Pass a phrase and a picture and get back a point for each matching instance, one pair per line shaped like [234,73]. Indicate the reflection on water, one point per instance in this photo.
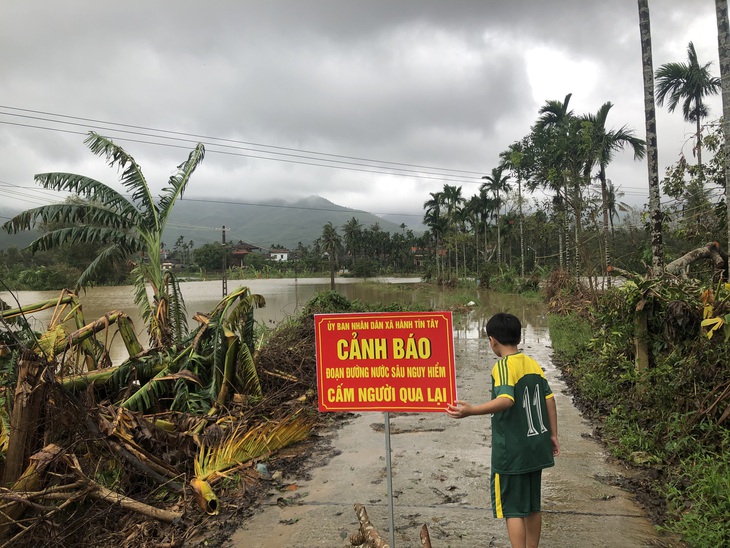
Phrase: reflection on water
[285,297]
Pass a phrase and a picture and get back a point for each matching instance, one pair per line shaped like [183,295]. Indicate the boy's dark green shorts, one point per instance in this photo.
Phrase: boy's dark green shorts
[516,495]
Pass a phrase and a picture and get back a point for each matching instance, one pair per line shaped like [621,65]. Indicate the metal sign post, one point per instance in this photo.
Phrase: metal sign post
[387,362]
[389,473]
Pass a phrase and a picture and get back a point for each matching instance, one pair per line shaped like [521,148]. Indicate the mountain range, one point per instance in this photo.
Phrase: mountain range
[265,224]
[261,224]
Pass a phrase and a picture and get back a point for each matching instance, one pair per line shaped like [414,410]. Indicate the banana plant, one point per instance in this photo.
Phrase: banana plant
[213,361]
[128,226]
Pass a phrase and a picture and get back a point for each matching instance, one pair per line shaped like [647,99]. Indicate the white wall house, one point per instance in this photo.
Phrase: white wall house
[279,254]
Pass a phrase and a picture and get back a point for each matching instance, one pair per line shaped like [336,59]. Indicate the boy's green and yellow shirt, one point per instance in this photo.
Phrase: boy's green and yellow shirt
[521,434]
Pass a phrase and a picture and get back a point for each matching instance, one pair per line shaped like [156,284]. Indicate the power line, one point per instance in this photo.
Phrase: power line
[228,153]
[452,175]
[171,132]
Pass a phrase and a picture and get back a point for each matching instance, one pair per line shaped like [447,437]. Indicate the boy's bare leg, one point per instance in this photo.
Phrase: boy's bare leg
[525,532]
[533,528]
[516,531]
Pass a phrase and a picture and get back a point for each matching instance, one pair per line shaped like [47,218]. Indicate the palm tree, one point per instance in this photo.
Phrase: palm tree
[605,144]
[558,126]
[125,227]
[512,159]
[723,46]
[353,233]
[688,83]
[496,184]
[657,248]
[452,199]
[331,242]
[436,222]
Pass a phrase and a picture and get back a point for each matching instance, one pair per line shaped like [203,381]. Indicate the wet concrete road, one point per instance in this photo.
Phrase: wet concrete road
[440,478]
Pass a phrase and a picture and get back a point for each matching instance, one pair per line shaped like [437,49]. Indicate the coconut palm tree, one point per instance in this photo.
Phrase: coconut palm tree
[496,183]
[128,227]
[331,243]
[688,83]
[605,144]
[657,248]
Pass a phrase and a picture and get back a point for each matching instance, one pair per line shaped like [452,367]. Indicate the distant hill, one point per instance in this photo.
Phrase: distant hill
[20,240]
[276,222]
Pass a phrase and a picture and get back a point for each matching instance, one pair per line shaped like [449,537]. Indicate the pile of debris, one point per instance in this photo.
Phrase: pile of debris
[140,453]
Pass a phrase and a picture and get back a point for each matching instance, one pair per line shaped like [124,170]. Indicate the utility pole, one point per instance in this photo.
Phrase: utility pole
[224,278]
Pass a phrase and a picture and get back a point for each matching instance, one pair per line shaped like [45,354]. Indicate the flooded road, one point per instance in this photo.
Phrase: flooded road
[441,470]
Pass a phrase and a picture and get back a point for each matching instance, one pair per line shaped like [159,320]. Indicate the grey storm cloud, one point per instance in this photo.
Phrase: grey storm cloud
[291,83]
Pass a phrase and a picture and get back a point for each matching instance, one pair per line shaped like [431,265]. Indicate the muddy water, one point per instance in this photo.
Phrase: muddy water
[284,298]
[440,470]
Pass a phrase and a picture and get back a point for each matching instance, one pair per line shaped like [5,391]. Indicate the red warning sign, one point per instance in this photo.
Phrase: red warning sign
[385,361]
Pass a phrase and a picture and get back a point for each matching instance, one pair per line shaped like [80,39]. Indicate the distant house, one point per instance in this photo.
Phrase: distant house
[239,252]
[279,254]
[420,254]
[171,263]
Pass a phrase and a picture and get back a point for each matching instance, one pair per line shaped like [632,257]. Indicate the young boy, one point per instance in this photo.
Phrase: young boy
[524,431]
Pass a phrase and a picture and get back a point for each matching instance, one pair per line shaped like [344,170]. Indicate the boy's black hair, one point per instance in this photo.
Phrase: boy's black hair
[505,328]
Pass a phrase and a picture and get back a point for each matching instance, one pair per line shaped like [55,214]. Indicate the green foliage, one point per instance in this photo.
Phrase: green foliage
[698,498]
[364,268]
[570,335]
[328,302]
[671,415]
[210,256]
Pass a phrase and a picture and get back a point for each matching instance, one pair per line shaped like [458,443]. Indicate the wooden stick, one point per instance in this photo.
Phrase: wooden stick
[367,529]
[425,538]
[101,493]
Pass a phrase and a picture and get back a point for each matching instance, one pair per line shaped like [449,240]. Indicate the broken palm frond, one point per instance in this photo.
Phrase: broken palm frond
[177,314]
[282,375]
[247,377]
[240,446]
[229,369]
[240,319]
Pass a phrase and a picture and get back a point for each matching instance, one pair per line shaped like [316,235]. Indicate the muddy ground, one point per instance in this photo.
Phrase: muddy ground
[440,478]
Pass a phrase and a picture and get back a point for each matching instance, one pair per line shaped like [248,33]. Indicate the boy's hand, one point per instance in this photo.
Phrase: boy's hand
[459,409]
[556,445]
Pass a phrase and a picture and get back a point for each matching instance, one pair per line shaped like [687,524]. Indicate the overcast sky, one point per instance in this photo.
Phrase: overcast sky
[370,104]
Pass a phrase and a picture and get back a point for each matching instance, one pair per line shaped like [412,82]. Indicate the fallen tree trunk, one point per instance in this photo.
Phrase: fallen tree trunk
[711,251]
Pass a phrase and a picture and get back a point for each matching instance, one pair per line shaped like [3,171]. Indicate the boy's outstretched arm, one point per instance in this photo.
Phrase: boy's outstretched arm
[460,409]
[552,412]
